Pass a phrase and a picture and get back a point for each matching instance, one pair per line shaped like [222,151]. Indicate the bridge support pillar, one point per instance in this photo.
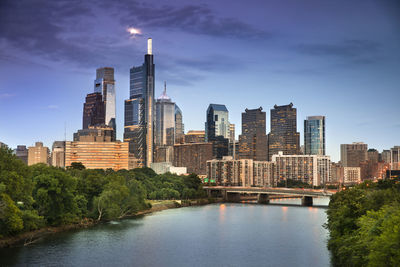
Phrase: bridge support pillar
[263,199]
[232,197]
[306,201]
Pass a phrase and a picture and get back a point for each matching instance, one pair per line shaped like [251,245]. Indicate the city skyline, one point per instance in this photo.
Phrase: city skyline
[346,75]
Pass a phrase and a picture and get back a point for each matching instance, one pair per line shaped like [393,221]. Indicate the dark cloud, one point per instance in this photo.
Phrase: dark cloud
[357,51]
[195,19]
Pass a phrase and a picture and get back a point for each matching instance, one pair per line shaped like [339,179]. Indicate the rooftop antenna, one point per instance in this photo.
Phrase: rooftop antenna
[165,87]
[149,46]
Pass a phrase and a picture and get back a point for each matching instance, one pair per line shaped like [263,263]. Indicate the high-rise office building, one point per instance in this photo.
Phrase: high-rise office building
[105,84]
[179,126]
[139,111]
[38,154]
[352,154]
[386,156]
[314,135]
[395,158]
[373,155]
[232,133]
[165,120]
[22,153]
[283,136]
[217,123]
[58,154]
[195,136]
[193,156]
[253,140]
[93,110]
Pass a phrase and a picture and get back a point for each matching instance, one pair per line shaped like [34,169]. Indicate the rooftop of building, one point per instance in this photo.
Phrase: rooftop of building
[218,107]
[195,132]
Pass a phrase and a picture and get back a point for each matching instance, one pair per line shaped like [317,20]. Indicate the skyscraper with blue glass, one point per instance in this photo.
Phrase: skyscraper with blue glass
[139,111]
[314,135]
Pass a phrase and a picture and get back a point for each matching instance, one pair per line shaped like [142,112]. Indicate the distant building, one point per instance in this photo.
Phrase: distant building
[58,154]
[193,156]
[99,133]
[93,110]
[217,123]
[283,136]
[371,169]
[242,172]
[314,135]
[38,154]
[98,155]
[395,158]
[165,120]
[253,140]
[312,169]
[164,154]
[22,153]
[163,167]
[373,155]
[337,173]
[386,156]
[232,133]
[105,84]
[352,175]
[195,136]
[179,126]
[139,111]
[352,154]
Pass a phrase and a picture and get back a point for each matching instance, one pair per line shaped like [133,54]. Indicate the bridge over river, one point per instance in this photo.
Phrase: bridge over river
[233,193]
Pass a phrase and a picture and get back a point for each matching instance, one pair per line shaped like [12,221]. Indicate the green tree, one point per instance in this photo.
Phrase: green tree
[10,216]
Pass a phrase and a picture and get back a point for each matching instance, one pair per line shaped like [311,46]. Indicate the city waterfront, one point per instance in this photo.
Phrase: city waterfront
[220,234]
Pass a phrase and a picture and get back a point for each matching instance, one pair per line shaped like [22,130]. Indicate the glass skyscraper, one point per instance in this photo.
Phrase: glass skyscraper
[179,127]
[314,135]
[105,84]
[217,123]
[165,120]
[139,111]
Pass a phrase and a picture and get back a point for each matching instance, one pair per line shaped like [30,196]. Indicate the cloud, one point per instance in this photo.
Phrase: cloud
[6,95]
[195,19]
[53,107]
[357,51]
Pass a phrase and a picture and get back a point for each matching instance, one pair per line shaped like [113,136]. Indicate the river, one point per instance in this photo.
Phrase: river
[211,235]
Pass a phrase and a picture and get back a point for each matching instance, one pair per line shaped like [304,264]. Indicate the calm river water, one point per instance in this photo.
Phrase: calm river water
[211,235]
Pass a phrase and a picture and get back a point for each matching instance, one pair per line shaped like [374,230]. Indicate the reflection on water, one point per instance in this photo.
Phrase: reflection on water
[212,235]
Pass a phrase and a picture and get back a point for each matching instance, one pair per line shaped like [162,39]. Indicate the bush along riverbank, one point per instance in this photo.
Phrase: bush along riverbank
[364,225]
[39,197]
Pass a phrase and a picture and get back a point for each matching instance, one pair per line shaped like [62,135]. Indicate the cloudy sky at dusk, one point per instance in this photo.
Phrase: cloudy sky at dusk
[337,58]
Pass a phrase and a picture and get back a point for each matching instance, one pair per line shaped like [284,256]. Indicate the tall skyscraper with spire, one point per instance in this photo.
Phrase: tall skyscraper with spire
[139,111]
[165,120]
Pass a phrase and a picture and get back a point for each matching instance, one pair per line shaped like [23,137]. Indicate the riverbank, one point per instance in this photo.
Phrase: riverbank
[27,238]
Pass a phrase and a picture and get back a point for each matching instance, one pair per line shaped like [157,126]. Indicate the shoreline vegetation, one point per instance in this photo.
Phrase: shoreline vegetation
[364,225]
[40,199]
[28,238]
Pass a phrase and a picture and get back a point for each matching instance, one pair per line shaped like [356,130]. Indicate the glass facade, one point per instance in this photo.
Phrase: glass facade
[314,135]
[179,127]
[217,123]
[165,121]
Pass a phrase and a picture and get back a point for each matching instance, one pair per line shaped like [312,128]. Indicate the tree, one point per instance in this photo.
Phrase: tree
[76,166]
[10,216]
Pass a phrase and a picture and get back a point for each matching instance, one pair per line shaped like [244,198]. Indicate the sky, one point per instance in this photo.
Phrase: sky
[340,59]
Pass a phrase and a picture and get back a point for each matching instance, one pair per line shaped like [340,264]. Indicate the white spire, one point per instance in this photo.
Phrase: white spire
[149,46]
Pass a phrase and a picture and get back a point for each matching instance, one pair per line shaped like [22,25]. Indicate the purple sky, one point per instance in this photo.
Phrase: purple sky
[337,58]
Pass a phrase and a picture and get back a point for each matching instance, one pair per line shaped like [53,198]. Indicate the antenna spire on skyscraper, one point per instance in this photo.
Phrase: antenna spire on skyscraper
[149,46]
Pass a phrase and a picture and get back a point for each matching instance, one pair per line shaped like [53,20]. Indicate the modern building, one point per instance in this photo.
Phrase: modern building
[241,172]
[163,154]
[253,142]
[22,153]
[93,110]
[312,169]
[352,154]
[386,156]
[105,85]
[314,135]
[165,120]
[283,136]
[163,167]
[99,133]
[217,123]
[193,136]
[98,155]
[373,155]
[38,154]
[58,154]
[139,111]
[232,137]
[351,175]
[179,126]
[193,156]
[395,158]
